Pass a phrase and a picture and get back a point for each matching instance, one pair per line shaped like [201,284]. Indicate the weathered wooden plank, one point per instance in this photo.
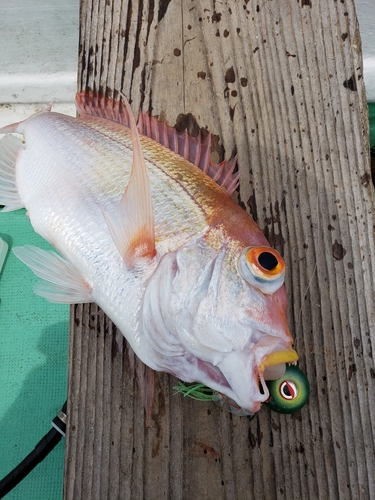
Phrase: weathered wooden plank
[281,84]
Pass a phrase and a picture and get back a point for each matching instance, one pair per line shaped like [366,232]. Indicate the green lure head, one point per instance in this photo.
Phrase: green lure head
[290,392]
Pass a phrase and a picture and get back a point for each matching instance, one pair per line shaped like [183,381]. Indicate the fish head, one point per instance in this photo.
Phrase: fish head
[217,320]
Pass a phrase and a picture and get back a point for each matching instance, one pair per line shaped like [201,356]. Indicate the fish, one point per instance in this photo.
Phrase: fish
[145,226]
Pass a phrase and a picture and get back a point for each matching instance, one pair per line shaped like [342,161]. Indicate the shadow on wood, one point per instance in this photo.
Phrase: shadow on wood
[281,84]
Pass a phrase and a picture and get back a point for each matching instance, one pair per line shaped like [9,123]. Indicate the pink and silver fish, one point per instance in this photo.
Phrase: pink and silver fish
[149,235]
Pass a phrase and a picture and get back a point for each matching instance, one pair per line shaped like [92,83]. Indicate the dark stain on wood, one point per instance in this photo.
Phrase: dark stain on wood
[142,85]
[251,203]
[230,76]
[300,448]
[365,179]
[150,17]
[338,251]
[273,225]
[201,449]
[127,30]
[189,122]
[231,111]
[216,17]
[163,7]
[350,84]
[137,50]
[252,439]
[352,370]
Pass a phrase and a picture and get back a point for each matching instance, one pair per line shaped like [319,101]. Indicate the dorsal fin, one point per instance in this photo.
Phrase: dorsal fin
[132,222]
[94,104]
[194,149]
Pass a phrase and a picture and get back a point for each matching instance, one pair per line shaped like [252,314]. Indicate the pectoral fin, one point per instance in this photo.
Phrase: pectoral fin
[63,283]
[132,222]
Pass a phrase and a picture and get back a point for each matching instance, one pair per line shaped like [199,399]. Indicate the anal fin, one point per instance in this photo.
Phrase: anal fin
[62,282]
[9,147]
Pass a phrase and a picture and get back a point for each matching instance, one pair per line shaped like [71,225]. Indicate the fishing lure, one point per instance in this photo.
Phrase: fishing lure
[287,394]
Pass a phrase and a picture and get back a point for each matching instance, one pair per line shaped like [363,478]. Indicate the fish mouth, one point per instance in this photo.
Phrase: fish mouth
[246,372]
[240,378]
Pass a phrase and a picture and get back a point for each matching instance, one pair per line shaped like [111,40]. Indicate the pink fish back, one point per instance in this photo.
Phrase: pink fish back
[194,149]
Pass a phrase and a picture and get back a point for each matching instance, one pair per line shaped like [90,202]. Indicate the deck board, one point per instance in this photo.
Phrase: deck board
[280,84]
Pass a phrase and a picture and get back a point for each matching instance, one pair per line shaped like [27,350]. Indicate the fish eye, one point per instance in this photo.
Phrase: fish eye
[267,260]
[262,267]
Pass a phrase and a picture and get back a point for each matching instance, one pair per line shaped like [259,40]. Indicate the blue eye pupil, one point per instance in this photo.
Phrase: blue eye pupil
[268,261]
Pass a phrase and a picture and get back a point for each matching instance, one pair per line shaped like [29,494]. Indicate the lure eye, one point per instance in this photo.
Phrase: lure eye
[290,392]
[262,267]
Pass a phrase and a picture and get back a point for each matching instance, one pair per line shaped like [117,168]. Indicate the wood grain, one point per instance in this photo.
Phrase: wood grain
[280,83]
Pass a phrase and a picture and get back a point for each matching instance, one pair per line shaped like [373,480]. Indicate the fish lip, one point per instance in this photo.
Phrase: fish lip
[277,358]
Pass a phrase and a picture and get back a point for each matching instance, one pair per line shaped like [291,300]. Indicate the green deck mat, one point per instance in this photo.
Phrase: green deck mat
[33,367]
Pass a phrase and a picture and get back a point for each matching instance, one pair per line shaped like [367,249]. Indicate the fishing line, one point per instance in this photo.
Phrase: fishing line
[315,265]
[39,453]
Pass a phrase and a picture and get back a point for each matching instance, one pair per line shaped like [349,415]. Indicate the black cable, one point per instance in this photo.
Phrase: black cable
[39,453]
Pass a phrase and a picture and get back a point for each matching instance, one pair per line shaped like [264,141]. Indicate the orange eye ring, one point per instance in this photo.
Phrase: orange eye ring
[262,267]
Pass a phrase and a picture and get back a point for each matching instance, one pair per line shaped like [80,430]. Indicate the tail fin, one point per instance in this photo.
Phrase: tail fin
[9,147]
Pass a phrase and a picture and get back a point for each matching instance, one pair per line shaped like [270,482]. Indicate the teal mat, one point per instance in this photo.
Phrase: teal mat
[33,367]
